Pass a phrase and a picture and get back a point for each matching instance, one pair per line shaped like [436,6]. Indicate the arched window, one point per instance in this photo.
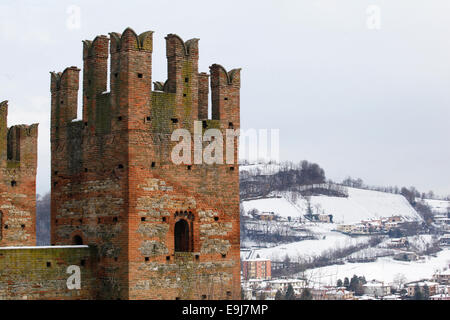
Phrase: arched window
[77,240]
[182,238]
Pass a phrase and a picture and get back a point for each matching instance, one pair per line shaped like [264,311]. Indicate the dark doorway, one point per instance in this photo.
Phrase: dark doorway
[77,240]
[181,236]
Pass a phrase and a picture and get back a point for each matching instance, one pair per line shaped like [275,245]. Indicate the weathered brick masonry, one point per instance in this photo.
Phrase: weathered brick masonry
[162,231]
[18,163]
[37,273]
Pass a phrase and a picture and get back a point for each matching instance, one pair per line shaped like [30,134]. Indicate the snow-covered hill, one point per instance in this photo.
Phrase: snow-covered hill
[360,205]
[328,240]
[437,206]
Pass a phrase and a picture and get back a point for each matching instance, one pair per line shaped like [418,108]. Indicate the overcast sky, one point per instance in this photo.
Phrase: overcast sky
[359,100]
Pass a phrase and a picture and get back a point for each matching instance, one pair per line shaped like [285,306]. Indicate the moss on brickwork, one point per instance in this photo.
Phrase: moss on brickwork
[41,273]
[187,96]
[212,124]
[163,110]
[103,114]
[12,164]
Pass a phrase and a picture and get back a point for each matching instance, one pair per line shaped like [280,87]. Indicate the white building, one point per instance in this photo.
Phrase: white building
[376,289]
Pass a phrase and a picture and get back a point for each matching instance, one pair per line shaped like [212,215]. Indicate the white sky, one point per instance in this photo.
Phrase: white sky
[368,103]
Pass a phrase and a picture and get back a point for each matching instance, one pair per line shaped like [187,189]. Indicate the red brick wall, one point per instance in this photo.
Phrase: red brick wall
[116,163]
[18,162]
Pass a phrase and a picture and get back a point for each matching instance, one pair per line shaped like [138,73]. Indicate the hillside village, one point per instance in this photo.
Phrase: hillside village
[328,241]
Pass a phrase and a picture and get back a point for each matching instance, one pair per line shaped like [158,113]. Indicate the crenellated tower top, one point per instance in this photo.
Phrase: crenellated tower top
[131,98]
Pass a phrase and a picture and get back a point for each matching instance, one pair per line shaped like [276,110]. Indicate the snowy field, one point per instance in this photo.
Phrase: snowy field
[360,205]
[328,240]
[437,206]
[384,269]
[280,206]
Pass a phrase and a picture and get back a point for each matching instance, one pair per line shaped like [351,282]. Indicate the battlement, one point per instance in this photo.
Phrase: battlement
[18,144]
[225,87]
[130,40]
[130,102]
[18,164]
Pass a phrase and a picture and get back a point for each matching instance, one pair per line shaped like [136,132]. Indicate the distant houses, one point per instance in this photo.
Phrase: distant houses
[437,288]
[442,221]
[429,288]
[266,216]
[443,277]
[377,288]
[445,240]
[325,218]
[260,269]
[406,256]
[372,226]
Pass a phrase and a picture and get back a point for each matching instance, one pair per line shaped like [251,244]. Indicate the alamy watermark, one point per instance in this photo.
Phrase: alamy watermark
[73,21]
[74,280]
[207,147]
[373,21]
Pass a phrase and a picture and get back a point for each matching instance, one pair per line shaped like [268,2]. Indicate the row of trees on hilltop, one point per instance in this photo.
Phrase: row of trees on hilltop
[410,193]
[289,175]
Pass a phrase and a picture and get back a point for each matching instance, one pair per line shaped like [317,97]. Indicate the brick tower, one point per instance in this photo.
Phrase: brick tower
[162,230]
[18,164]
